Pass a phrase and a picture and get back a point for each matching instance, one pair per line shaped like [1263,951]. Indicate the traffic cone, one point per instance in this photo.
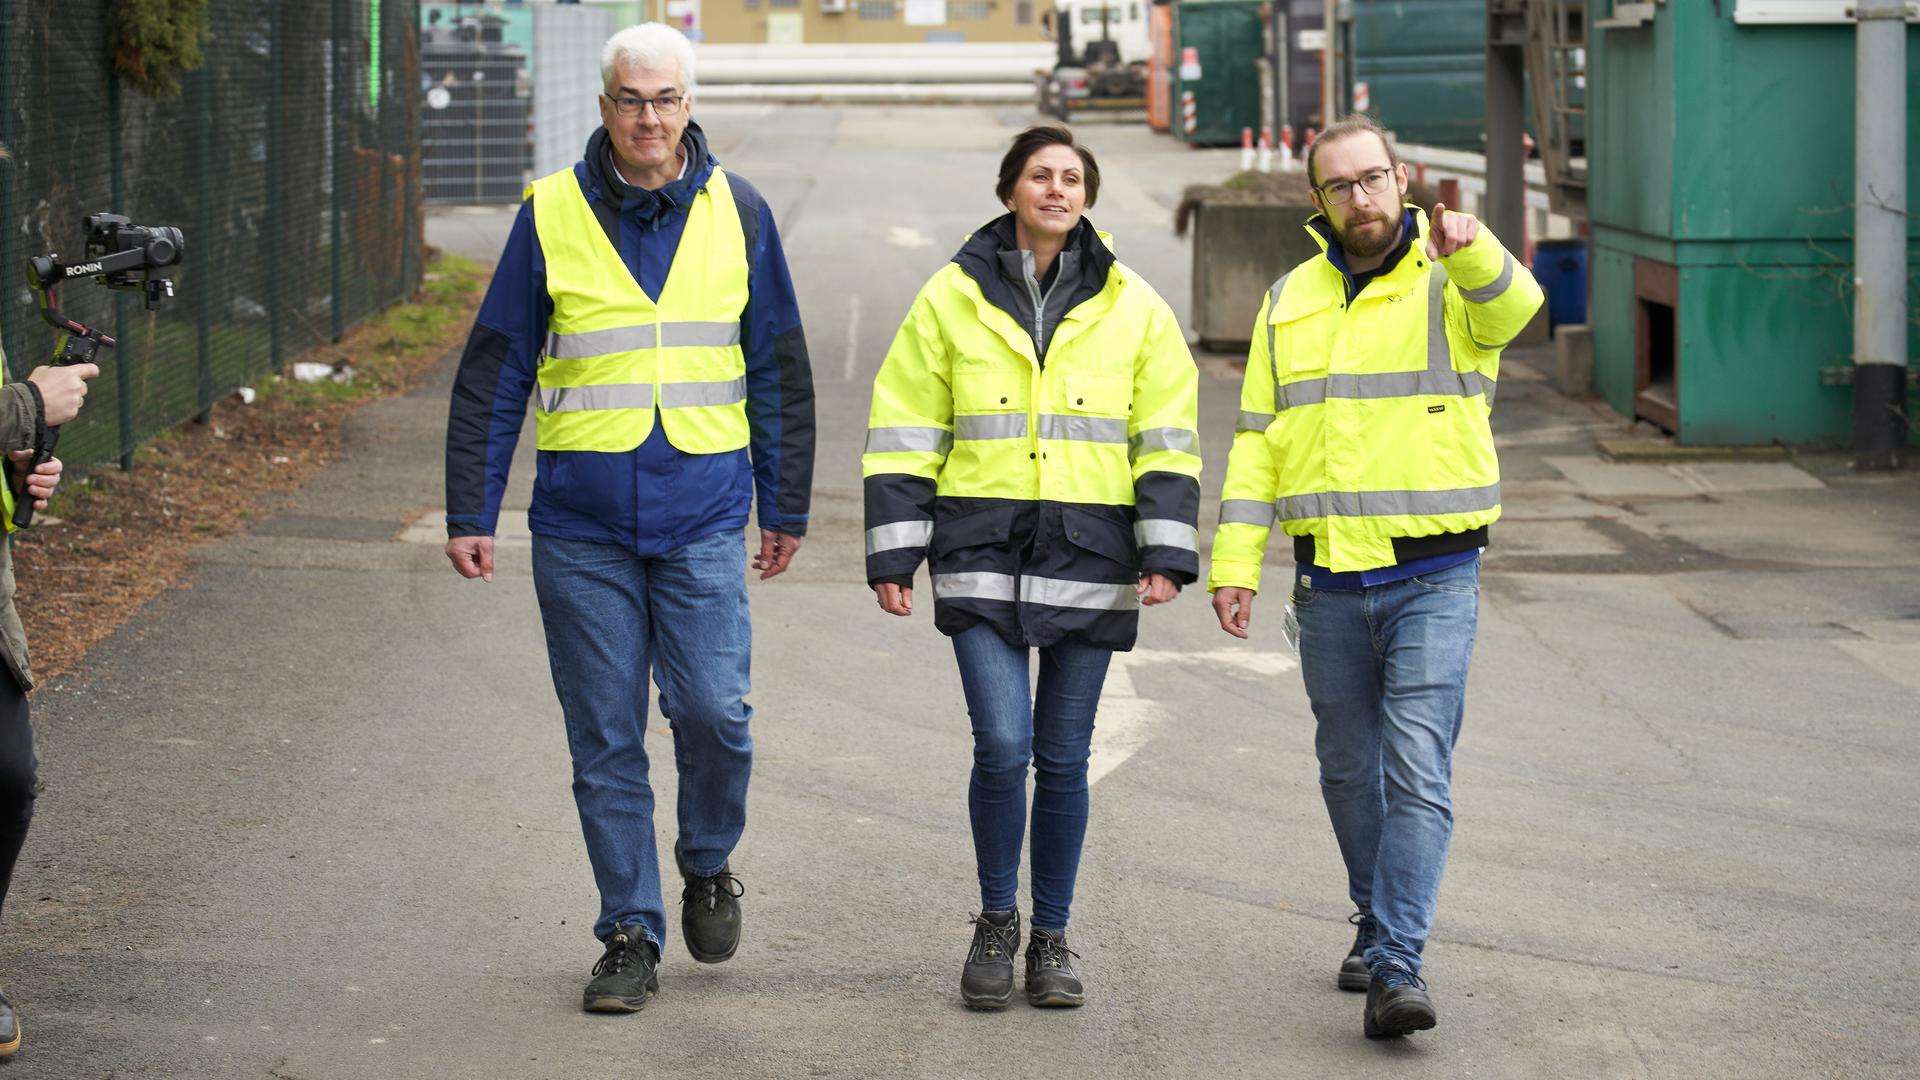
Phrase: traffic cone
[1246,149]
[1286,147]
[1266,150]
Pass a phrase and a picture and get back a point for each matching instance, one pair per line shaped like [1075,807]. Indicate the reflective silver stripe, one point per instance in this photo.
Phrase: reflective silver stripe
[1011,425]
[1095,595]
[583,398]
[1164,438]
[899,534]
[629,338]
[1438,380]
[1253,421]
[1273,301]
[1166,532]
[1383,503]
[683,395]
[1246,512]
[1053,592]
[1492,292]
[717,335]
[976,585]
[1083,428]
[889,440]
[1295,394]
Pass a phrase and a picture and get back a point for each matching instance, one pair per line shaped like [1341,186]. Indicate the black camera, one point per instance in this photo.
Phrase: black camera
[112,234]
[120,255]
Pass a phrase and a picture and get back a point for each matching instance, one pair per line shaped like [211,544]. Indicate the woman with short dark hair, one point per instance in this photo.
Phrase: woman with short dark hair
[1032,437]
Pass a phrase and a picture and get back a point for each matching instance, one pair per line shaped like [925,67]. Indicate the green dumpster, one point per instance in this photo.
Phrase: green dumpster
[1216,81]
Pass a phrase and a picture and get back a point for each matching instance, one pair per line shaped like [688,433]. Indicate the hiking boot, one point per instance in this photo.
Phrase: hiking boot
[625,976]
[1353,970]
[1051,983]
[9,1027]
[710,913]
[986,982]
[1397,1003]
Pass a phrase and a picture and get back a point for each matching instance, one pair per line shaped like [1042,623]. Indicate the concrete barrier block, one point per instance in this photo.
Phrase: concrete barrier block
[1573,360]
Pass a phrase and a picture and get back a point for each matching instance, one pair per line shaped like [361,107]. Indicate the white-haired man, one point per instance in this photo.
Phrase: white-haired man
[643,300]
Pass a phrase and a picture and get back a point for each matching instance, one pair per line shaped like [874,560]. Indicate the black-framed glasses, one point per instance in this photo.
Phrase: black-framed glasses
[1373,182]
[664,106]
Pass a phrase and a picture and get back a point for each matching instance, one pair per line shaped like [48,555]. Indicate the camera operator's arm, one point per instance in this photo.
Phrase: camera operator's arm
[490,397]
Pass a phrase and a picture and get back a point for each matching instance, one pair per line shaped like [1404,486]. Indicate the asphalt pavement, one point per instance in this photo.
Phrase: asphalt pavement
[308,815]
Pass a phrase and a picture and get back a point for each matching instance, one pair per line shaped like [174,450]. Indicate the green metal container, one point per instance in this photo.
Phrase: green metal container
[1227,38]
[1720,197]
[1424,63]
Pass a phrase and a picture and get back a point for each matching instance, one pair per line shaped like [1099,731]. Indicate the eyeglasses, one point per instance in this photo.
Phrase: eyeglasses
[1340,191]
[663,107]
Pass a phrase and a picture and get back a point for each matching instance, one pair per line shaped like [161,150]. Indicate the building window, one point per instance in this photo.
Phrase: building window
[1023,12]
[784,3]
[878,10]
[967,10]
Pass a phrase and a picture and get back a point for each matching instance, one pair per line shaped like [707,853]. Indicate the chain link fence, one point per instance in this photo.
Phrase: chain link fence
[290,161]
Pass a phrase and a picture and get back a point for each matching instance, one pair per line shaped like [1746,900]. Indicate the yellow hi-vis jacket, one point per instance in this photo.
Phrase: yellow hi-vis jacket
[1040,492]
[1366,422]
[612,353]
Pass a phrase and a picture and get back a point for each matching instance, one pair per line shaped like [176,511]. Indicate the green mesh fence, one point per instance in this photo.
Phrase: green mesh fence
[290,161]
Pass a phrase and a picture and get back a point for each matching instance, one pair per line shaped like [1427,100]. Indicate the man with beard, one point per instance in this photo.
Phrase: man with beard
[643,302]
[1364,434]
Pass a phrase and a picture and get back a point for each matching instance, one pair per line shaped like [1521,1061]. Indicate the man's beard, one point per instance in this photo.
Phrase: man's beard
[1370,243]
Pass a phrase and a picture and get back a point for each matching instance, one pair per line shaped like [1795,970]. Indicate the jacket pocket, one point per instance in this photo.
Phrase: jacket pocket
[1098,395]
[977,528]
[1109,540]
[1302,327]
[989,392]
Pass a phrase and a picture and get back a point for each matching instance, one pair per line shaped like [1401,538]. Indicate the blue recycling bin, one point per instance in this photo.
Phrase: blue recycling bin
[1560,266]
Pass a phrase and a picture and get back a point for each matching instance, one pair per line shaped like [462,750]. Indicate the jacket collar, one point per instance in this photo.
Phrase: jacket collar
[649,209]
[1321,230]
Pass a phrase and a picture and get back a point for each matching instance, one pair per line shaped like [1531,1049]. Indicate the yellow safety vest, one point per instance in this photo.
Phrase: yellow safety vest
[1367,421]
[613,355]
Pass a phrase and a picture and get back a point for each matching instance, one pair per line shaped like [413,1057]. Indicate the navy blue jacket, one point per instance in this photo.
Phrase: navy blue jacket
[654,498]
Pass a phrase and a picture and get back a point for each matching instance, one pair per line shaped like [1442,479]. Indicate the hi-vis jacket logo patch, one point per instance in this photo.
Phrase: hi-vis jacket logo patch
[1436,408]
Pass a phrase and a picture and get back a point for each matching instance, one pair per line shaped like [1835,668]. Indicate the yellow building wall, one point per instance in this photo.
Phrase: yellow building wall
[738,22]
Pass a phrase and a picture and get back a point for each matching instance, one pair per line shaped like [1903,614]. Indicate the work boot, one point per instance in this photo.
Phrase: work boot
[1353,970]
[986,982]
[710,913]
[1397,1003]
[625,975]
[9,1027]
[1051,983]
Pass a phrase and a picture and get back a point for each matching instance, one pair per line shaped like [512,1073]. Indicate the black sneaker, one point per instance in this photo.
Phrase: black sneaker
[9,1028]
[1353,970]
[710,913]
[1051,983]
[625,976]
[986,982]
[1397,1003]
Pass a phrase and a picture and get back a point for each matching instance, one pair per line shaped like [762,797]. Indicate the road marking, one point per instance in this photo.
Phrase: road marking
[853,334]
[1127,720]
[902,236]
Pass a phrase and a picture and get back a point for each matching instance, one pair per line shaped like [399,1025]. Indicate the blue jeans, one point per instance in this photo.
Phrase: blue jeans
[1012,724]
[1386,672]
[611,616]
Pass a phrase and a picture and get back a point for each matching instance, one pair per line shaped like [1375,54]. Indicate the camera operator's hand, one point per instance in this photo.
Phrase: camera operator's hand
[472,556]
[64,389]
[42,481]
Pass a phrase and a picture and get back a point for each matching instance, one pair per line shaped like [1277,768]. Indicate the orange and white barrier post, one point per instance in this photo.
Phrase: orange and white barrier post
[1246,149]
[1266,150]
